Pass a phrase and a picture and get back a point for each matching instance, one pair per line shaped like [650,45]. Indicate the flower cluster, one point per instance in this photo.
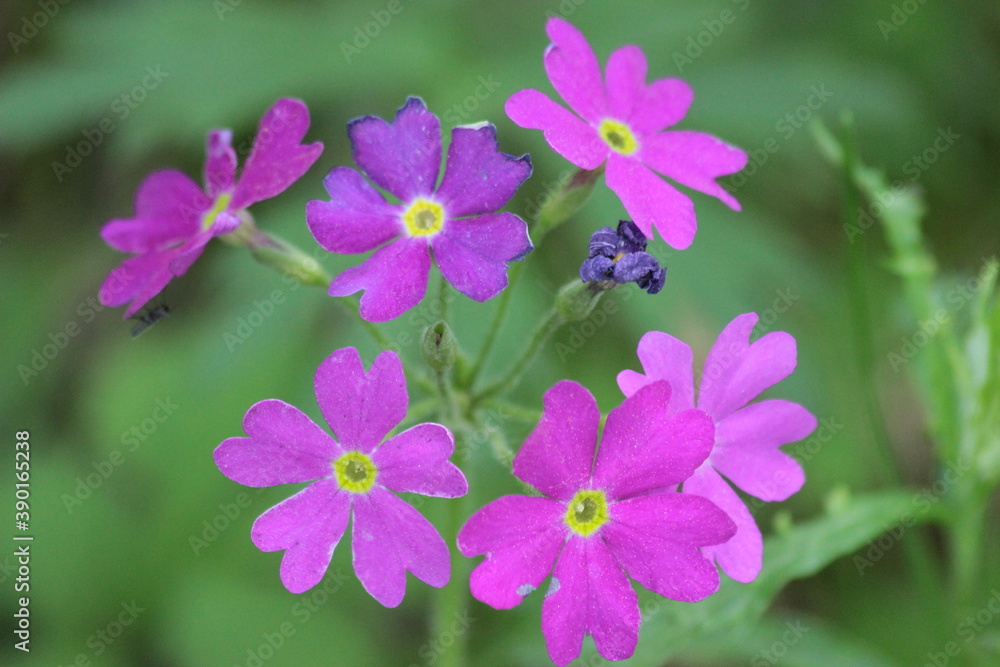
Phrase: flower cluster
[647,499]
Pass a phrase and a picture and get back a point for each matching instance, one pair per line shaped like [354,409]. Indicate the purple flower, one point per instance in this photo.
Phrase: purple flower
[621,257]
[352,474]
[601,520]
[747,436]
[622,124]
[471,244]
[174,218]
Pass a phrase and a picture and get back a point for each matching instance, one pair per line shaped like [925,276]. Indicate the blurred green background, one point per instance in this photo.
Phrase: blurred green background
[130,550]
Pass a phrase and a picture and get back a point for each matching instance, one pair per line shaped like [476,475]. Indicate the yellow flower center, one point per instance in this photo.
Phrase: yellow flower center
[424,218]
[587,512]
[618,136]
[355,472]
[220,205]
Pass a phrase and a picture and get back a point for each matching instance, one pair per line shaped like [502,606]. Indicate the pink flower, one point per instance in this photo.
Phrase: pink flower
[355,473]
[174,218]
[622,124]
[747,436]
[600,520]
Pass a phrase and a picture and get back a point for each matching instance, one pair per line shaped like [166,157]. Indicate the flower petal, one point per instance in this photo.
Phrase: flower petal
[573,70]
[139,279]
[394,279]
[168,210]
[656,539]
[694,159]
[741,557]
[404,156]
[521,537]
[278,158]
[557,456]
[356,219]
[642,449]
[284,447]
[663,357]
[416,461]
[569,136]
[473,253]
[652,202]
[746,448]
[309,526]
[626,79]
[736,372]
[661,104]
[390,537]
[589,595]
[360,407]
[220,162]
[478,178]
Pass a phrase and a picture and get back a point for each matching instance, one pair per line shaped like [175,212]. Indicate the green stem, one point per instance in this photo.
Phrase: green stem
[351,306]
[966,531]
[552,322]
[917,551]
[452,604]
[498,318]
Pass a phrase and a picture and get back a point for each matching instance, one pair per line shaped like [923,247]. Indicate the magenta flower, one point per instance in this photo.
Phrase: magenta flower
[353,474]
[622,124]
[471,244]
[600,521]
[174,218]
[747,437]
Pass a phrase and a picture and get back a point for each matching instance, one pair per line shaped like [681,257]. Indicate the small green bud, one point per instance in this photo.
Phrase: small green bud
[577,299]
[440,346]
[288,260]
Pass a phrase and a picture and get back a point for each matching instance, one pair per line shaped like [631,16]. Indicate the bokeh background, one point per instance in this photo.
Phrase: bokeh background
[149,411]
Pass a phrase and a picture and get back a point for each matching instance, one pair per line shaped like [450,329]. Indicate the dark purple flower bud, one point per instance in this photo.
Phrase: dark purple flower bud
[619,257]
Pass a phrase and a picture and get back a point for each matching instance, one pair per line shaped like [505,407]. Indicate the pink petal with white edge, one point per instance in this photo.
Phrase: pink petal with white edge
[278,157]
[220,162]
[569,136]
[521,537]
[284,447]
[404,156]
[309,526]
[361,407]
[394,279]
[557,457]
[656,539]
[573,69]
[589,595]
[478,178]
[663,357]
[736,372]
[168,210]
[746,448]
[416,461]
[641,449]
[694,159]
[473,253]
[390,538]
[356,219]
[741,557]
[652,202]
